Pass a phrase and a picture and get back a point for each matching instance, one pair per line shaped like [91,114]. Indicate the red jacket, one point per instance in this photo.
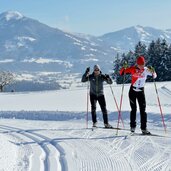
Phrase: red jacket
[139,76]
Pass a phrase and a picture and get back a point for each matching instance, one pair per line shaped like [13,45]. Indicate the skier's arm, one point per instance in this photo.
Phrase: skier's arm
[129,70]
[154,75]
[108,79]
[151,71]
[85,76]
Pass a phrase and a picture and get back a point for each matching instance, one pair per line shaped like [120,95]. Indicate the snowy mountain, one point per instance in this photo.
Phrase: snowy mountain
[125,39]
[28,45]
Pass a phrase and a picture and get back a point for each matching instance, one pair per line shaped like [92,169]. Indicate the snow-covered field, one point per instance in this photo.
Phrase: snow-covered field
[46,131]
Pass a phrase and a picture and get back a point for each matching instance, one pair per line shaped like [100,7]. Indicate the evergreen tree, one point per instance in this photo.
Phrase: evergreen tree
[163,61]
[130,57]
[154,56]
[158,55]
[119,64]
[116,67]
[151,54]
[168,65]
[140,49]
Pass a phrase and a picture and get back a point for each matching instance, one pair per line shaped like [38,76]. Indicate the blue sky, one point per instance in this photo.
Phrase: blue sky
[94,17]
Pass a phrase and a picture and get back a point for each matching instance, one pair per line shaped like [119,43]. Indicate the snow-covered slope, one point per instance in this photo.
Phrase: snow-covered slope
[64,143]
[126,39]
[29,45]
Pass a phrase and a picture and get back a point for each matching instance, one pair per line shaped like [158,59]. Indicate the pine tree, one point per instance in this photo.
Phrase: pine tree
[118,63]
[163,61]
[158,55]
[168,64]
[151,54]
[154,56]
[126,58]
[130,57]
[140,49]
[116,67]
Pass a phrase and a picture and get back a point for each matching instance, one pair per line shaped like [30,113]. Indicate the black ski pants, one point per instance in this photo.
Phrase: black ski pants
[102,103]
[140,97]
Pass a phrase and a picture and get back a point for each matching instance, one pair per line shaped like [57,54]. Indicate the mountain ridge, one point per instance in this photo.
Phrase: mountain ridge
[25,41]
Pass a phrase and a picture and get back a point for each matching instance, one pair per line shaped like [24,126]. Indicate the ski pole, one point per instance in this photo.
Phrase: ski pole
[116,103]
[162,116]
[88,85]
[87,103]
[125,65]
[119,115]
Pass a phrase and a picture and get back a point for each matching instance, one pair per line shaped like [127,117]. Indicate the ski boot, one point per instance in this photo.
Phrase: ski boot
[145,132]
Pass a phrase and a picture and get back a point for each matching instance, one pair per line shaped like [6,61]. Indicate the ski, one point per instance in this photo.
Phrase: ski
[132,133]
[106,128]
[141,134]
[111,128]
[97,127]
[116,136]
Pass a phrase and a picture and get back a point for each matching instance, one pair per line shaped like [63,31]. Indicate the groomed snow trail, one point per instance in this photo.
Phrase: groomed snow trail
[68,146]
[45,155]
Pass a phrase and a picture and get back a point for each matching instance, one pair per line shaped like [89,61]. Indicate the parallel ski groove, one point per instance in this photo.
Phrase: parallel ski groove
[46,149]
[101,149]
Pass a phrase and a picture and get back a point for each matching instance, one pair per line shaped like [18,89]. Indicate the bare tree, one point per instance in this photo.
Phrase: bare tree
[6,78]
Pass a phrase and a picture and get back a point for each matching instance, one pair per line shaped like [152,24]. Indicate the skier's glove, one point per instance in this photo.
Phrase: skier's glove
[151,69]
[107,76]
[125,64]
[87,70]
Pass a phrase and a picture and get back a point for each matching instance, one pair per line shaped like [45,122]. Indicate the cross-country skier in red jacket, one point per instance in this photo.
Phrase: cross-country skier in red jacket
[139,75]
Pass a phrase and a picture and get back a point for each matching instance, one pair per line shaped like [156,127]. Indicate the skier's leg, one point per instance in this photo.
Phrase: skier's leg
[102,103]
[142,106]
[93,101]
[133,105]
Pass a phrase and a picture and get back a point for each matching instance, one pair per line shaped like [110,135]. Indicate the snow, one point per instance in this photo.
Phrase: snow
[13,15]
[88,55]
[73,38]
[166,34]
[142,32]
[91,49]
[89,59]
[6,61]
[9,46]
[24,38]
[47,131]
[42,60]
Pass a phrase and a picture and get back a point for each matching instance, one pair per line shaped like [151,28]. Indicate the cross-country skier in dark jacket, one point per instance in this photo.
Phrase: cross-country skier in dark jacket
[96,92]
[139,75]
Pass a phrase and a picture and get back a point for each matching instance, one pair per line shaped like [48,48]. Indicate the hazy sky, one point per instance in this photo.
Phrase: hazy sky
[94,17]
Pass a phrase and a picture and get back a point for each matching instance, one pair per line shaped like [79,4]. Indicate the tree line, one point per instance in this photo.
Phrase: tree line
[157,54]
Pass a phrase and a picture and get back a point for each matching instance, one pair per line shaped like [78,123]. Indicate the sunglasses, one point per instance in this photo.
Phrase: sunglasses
[96,70]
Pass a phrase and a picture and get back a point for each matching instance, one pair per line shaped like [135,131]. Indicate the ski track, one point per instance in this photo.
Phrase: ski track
[166,91]
[47,152]
[96,150]
[148,160]
[109,158]
[103,160]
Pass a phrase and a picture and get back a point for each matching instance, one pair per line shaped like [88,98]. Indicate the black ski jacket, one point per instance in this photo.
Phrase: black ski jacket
[96,83]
